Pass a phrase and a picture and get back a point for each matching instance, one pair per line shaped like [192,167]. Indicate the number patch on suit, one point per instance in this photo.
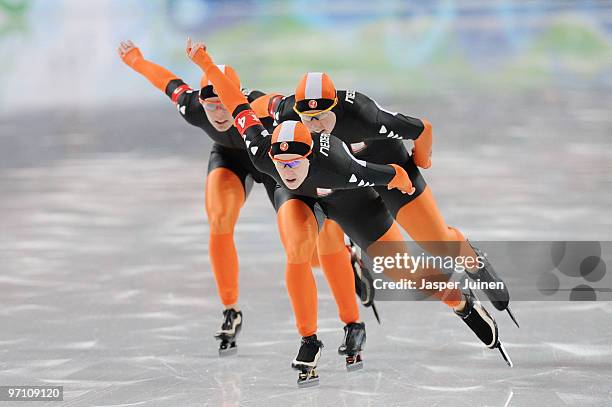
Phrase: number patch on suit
[246,119]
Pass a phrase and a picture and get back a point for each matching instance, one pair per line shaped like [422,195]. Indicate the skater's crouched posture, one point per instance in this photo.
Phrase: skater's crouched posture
[228,183]
[318,175]
[375,134]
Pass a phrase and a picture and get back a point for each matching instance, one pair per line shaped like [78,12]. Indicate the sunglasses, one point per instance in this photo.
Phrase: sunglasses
[318,116]
[290,164]
[212,106]
[302,114]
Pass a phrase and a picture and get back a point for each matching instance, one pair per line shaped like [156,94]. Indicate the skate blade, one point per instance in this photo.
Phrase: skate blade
[504,354]
[353,367]
[511,314]
[375,313]
[228,352]
[312,382]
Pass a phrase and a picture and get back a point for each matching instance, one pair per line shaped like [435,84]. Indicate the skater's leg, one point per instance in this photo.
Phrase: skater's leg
[419,216]
[314,260]
[225,196]
[393,243]
[336,265]
[364,217]
[298,229]
[423,221]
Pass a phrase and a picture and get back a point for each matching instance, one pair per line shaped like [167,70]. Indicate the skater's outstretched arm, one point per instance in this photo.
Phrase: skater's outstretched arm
[257,138]
[181,94]
[386,125]
[343,170]
[130,54]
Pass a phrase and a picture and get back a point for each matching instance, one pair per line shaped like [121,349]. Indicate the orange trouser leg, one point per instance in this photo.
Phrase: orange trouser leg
[224,198]
[336,264]
[451,297]
[422,220]
[314,260]
[297,226]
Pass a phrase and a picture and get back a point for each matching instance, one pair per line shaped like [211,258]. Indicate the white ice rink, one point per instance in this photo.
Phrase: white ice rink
[106,288]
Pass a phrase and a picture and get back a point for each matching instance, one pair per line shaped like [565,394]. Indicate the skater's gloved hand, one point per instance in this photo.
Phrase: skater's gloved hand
[129,53]
[421,158]
[421,153]
[197,53]
[401,181]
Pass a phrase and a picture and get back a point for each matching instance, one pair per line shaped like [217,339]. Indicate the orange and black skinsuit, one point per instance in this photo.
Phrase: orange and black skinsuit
[337,186]
[230,175]
[375,134]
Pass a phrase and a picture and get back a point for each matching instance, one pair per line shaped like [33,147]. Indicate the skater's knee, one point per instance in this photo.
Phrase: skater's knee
[455,234]
[299,247]
[298,231]
[299,251]
[222,223]
[224,197]
[331,238]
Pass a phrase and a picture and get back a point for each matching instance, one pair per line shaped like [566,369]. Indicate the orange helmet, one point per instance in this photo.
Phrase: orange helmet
[207,90]
[315,91]
[291,137]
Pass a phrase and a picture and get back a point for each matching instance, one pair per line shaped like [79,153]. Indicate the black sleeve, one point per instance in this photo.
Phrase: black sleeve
[256,138]
[284,111]
[381,124]
[251,95]
[353,173]
[187,103]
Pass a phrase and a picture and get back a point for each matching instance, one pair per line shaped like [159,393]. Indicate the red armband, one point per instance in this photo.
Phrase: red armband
[246,119]
[273,104]
[179,91]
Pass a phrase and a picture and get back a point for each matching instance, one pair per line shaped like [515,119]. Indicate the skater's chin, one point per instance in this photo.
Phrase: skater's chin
[292,183]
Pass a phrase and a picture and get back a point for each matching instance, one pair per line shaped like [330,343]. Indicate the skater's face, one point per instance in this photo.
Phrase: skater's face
[323,122]
[217,114]
[293,169]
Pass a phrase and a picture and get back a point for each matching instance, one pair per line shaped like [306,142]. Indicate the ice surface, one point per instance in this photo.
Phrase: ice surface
[106,289]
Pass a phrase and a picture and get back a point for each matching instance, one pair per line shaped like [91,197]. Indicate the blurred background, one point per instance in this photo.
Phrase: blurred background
[518,92]
[102,192]
[63,51]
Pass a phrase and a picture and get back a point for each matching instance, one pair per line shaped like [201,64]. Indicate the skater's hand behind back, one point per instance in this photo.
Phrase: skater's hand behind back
[129,53]
[401,181]
[421,158]
[421,153]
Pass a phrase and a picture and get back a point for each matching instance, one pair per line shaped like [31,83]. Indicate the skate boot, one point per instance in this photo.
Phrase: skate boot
[354,341]
[306,361]
[500,298]
[232,323]
[364,284]
[482,324]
